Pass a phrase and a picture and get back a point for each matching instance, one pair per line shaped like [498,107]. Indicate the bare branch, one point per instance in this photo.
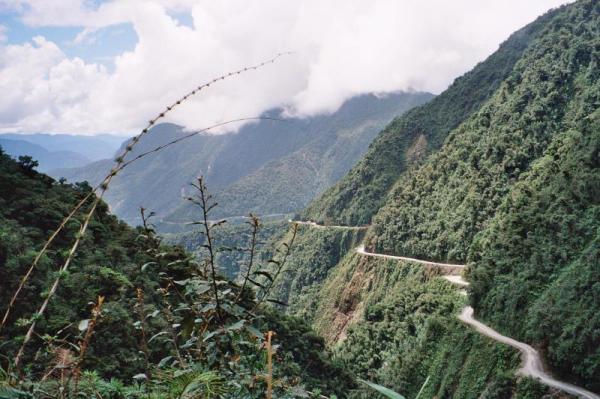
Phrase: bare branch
[254,223]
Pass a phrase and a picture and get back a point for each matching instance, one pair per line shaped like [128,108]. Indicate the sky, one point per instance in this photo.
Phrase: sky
[91,66]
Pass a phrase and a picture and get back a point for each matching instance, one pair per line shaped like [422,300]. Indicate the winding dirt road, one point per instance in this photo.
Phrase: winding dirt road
[361,250]
[321,226]
[532,365]
[458,280]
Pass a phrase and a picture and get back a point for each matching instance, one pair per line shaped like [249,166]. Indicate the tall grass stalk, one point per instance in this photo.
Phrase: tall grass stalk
[85,343]
[269,376]
[205,203]
[102,187]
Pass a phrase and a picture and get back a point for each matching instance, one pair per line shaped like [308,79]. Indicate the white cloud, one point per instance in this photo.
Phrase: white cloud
[341,48]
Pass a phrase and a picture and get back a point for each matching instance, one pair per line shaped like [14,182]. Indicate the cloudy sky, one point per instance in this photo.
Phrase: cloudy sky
[84,66]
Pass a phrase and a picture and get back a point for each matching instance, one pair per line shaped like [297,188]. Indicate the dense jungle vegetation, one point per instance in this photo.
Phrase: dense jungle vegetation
[520,180]
[315,252]
[154,327]
[540,255]
[234,236]
[436,210]
[500,172]
[395,324]
[410,332]
[512,192]
[410,138]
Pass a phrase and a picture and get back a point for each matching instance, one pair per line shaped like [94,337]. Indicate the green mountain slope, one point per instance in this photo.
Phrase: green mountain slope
[230,235]
[520,179]
[289,183]
[435,211]
[32,205]
[408,139]
[397,326]
[267,167]
[513,192]
[540,256]
[109,263]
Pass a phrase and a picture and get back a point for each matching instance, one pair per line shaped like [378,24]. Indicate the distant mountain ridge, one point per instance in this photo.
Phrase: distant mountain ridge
[92,147]
[46,159]
[266,167]
[55,151]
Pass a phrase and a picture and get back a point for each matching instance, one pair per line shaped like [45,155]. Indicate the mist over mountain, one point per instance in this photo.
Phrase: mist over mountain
[47,159]
[407,245]
[499,173]
[272,166]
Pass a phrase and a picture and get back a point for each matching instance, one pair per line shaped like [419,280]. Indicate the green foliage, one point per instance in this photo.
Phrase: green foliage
[406,141]
[405,329]
[189,331]
[539,257]
[315,252]
[513,191]
[303,353]
[197,383]
[31,206]
[11,393]
[528,388]
[232,238]
[435,211]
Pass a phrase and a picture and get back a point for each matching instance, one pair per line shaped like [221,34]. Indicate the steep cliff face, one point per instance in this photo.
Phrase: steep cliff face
[408,139]
[395,323]
[508,186]
[515,191]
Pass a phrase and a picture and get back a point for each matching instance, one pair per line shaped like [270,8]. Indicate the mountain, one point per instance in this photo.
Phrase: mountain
[47,159]
[110,270]
[91,147]
[58,151]
[500,173]
[408,140]
[515,192]
[32,205]
[269,167]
